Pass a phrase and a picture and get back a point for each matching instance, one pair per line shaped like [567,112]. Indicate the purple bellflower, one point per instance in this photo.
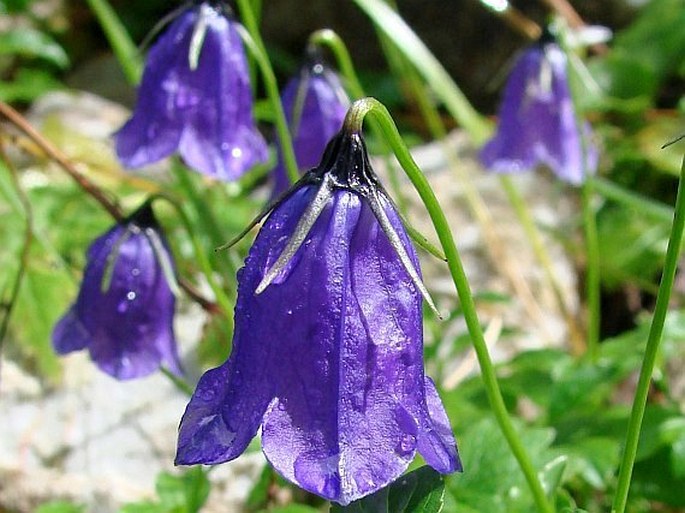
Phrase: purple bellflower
[195,97]
[537,122]
[124,311]
[315,105]
[327,351]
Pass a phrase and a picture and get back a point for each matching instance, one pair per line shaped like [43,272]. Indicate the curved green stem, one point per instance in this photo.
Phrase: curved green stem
[331,40]
[124,48]
[354,121]
[253,40]
[651,350]
[592,278]
[328,38]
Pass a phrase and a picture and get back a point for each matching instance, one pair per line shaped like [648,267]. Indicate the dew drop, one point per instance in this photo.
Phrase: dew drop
[131,295]
[236,153]
[407,444]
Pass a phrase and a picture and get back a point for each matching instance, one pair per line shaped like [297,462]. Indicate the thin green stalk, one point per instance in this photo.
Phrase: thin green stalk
[256,46]
[533,234]
[592,277]
[328,38]
[406,71]
[642,204]
[221,296]
[123,46]
[653,341]
[205,215]
[433,73]
[179,383]
[331,40]
[355,118]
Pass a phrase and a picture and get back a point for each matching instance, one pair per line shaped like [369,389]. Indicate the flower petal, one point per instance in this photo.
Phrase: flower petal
[227,407]
[340,427]
[436,439]
[206,112]
[220,138]
[164,96]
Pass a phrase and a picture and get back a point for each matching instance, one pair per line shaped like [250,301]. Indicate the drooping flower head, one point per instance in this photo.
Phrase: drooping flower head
[195,98]
[315,105]
[124,311]
[537,122]
[327,351]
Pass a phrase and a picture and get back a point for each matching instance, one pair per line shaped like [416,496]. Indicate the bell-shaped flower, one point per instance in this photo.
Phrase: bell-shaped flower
[315,105]
[327,350]
[195,97]
[537,121]
[124,311]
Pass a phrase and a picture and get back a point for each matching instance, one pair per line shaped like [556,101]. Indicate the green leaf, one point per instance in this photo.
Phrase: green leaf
[27,85]
[13,6]
[295,508]
[552,473]
[419,491]
[187,492]
[59,507]
[431,70]
[29,42]
[492,481]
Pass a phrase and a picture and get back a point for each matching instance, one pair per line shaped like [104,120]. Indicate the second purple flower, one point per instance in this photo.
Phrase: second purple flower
[315,105]
[195,97]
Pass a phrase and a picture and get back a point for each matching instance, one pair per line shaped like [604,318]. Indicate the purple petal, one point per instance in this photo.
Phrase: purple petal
[436,440]
[537,123]
[70,334]
[341,427]
[205,112]
[124,311]
[227,407]
[323,110]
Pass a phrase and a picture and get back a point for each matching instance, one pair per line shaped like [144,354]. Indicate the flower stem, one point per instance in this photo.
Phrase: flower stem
[533,234]
[592,278]
[253,40]
[354,120]
[222,296]
[23,206]
[124,49]
[653,341]
[328,38]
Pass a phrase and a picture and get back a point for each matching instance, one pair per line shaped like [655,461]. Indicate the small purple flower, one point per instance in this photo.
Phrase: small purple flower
[198,103]
[537,122]
[315,105]
[124,311]
[327,351]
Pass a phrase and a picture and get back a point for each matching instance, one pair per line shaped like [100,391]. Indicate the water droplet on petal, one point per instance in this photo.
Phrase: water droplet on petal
[407,445]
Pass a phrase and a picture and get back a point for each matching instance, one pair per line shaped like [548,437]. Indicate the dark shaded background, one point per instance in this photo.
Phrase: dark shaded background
[471,42]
